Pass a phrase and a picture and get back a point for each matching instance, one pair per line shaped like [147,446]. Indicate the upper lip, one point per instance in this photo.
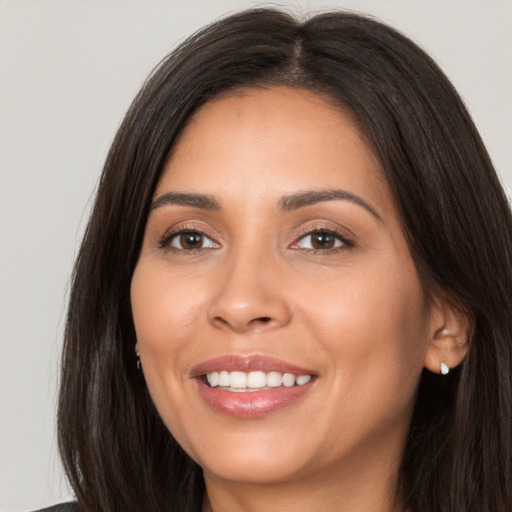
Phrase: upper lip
[247,363]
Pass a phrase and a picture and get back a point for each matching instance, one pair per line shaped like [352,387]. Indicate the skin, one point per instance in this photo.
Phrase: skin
[355,313]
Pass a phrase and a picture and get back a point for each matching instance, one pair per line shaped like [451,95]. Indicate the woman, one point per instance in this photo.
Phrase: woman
[294,289]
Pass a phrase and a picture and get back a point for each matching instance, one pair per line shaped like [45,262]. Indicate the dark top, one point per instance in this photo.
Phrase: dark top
[70,506]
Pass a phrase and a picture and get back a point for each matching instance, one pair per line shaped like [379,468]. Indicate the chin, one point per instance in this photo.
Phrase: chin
[256,452]
[261,465]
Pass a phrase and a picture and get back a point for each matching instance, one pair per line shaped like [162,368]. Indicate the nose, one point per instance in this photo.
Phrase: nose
[249,296]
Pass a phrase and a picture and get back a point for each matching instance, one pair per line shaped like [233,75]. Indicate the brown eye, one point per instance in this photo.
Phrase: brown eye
[322,240]
[191,240]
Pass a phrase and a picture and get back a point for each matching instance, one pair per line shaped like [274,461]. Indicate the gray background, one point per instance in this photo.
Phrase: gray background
[68,71]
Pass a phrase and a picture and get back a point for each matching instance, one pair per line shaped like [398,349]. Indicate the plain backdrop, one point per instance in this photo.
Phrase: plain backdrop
[68,71]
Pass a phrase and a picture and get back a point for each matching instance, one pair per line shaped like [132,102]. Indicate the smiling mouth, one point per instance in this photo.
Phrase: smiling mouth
[251,386]
[243,382]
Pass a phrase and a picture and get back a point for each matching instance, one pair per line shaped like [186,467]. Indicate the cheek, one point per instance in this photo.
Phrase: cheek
[165,317]
[373,325]
[162,307]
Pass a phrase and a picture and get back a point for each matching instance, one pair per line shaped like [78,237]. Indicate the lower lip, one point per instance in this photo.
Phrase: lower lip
[251,404]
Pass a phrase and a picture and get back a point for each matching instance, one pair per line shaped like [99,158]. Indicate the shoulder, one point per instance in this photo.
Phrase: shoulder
[70,506]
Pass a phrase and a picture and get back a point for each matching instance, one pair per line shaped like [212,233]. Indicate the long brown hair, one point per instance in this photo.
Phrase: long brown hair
[117,453]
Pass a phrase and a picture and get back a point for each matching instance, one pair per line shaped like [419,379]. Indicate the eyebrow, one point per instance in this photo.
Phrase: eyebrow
[201,201]
[310,197]
[288,203]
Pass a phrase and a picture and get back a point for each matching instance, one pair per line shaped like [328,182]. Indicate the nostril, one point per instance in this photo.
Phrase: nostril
[243,324]
[262,319]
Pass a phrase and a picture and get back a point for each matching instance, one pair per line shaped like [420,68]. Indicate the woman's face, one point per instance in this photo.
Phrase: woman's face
[274,250]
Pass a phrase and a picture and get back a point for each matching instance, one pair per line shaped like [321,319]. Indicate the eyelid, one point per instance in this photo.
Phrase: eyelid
[211,244]
[347,241]
[175,231]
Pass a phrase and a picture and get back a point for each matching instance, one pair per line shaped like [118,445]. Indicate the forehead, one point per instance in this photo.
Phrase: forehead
[274,141]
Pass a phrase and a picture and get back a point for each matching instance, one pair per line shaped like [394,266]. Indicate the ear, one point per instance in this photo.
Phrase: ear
[448,341]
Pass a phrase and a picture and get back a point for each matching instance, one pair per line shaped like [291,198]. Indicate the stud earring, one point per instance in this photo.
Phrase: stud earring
[138,360]
[444,368]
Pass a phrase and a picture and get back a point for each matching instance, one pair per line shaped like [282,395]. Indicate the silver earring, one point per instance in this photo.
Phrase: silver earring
[444,368]
[138,361]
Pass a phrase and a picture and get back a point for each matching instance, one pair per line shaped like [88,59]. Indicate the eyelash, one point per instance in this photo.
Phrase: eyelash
[165,242]
[346,243]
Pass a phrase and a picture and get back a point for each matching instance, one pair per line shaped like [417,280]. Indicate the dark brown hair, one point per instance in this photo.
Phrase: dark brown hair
[117,453]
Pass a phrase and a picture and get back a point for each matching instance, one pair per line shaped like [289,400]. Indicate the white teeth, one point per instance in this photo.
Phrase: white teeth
[213,379]
[257,380]
[237,381]
[224,379]
[303,379]
[274,379]
[288,380]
